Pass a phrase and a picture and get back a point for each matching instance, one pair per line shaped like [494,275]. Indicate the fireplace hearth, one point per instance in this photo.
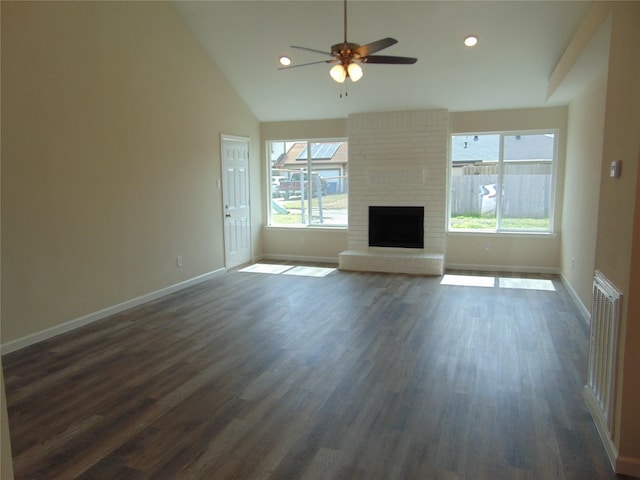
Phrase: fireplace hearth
[396,227]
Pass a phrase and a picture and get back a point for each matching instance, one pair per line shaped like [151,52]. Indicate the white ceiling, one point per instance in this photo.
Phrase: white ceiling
[520,44]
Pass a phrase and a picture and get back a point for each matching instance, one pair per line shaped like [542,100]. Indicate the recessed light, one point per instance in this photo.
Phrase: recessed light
[471,41]
[285,61]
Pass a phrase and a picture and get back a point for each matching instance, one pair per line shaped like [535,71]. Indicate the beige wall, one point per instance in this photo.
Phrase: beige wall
[515,252]
[582,188]
[617,253]
[303,129]
[312,243]
[111,121]
[621,132]
[6,463]
[630,419]
[511,252]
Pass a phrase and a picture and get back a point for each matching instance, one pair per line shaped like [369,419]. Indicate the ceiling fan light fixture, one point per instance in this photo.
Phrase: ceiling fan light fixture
[347,56]
[338,73]
[284,61]
[355,71]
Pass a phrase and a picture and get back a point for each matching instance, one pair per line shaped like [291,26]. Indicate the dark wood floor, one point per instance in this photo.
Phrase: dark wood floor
[350,376]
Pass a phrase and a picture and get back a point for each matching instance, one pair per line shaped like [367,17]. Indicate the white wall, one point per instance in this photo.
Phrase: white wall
[582,189]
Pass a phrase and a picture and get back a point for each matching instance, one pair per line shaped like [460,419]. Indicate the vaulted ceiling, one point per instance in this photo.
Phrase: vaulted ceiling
[520,43]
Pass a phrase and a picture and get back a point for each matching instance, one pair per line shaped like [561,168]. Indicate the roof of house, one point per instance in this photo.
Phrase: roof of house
[323,153]
[486,147]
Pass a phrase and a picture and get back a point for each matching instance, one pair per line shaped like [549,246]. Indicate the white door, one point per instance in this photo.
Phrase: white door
[235,197]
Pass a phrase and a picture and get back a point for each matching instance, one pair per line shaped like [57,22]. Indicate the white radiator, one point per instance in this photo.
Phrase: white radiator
[603,345]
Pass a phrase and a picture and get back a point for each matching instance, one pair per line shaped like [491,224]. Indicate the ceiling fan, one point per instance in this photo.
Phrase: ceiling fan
[348,56]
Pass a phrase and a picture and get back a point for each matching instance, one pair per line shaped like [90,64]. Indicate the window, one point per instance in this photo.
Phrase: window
[502,181]
[308,182]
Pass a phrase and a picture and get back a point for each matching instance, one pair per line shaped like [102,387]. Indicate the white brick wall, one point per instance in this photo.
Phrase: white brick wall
[398,159]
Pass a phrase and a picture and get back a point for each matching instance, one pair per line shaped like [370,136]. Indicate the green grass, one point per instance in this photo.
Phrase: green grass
[468,222]
[294,217]
[284,219]
[526,223]
[489,223]
[473,223]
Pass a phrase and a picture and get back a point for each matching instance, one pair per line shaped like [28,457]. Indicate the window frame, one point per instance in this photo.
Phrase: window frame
[308,173]
[499,230]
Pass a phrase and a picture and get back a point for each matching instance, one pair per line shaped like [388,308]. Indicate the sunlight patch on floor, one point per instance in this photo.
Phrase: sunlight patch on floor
[310,271]
[526,283]
[266,268]
[468,281]
[500,282]
[288,270]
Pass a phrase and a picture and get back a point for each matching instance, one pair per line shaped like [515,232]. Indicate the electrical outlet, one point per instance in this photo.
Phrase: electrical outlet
[487,246]
[179,260]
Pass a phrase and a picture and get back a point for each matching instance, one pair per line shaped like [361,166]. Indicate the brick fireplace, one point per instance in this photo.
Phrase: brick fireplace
[397,159]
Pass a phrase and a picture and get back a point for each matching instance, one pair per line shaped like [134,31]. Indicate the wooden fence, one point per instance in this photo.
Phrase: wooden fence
[524,196]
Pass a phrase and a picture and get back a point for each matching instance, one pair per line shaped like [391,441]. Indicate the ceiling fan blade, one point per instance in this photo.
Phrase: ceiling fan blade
[305,64]
[386,59]
[312,50]
[373,47]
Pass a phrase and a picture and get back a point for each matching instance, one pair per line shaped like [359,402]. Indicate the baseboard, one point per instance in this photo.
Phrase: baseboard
[47,333]
[621,465]
[601,426]
[502,268]
[299,258]
[584,311]
[257,258]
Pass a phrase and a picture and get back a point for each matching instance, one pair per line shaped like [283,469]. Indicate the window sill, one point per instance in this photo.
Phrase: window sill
[496,233]
[332,228]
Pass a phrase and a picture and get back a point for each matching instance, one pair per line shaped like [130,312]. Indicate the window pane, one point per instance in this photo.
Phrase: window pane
[474,180]
[527,182]
[526,196]
[309,191]
[534,147]
[330,208]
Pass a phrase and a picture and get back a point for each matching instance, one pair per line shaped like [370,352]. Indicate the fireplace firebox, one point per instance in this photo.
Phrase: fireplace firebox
[396,227]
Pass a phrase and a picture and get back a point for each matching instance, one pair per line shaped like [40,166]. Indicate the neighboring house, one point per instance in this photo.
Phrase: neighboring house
[475,149]
[329,160]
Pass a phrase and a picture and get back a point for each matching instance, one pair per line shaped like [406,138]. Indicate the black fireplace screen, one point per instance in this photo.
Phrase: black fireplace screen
[396,227]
